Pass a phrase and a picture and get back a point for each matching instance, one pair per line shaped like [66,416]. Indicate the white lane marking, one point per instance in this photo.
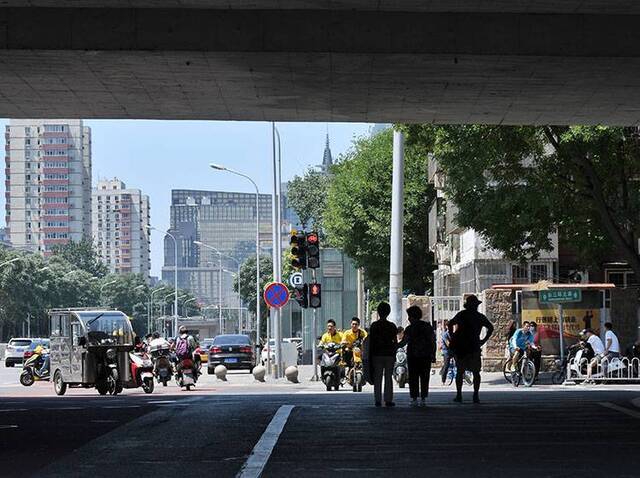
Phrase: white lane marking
[155,402]
[5,427]
[121,406]
[627,411]
[67,408]
[13,410]
[262,451]
[104,421]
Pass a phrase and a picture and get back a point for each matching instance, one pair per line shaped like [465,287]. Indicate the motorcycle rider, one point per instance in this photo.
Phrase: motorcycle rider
[44,357]
[598,350]
[355,333]
[521,339]
[331,335]
[185,347]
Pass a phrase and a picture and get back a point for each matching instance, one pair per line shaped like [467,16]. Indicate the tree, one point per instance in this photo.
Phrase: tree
[307,196]
[82,255]
[358,212]
[517,185]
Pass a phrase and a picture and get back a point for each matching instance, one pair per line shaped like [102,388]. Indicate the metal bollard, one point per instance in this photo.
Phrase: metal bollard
[259,373]
[221,372]
[292,374]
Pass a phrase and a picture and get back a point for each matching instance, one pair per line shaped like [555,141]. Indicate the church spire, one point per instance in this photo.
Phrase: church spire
[327,159]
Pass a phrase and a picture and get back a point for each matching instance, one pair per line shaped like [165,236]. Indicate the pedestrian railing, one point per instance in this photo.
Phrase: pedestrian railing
[616,369]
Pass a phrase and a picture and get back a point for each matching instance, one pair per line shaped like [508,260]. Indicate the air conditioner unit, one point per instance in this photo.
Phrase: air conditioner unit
[578,277]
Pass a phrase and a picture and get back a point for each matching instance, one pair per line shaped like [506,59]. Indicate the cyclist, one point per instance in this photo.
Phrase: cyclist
[519,342]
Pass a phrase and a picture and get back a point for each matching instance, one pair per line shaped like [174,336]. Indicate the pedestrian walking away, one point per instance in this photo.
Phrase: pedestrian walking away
[383,343]
[465,330]
[421,350]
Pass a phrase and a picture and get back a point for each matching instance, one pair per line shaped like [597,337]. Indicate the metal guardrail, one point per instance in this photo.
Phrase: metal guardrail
[621,369]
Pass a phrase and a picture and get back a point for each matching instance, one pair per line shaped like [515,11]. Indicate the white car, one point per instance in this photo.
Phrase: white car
[14,353]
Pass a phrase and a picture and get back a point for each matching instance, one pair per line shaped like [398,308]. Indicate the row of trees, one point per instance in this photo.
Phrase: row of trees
[73,276]
[515,185]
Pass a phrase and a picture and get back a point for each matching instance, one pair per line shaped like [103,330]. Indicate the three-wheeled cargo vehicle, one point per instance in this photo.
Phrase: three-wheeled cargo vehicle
[90,348]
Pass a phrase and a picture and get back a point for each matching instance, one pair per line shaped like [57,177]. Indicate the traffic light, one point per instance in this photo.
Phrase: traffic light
[315,299]
[313,250]
[298,250]
[301,295]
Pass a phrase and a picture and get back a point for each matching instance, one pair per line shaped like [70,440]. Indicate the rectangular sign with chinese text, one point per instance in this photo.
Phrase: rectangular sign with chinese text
[560,296]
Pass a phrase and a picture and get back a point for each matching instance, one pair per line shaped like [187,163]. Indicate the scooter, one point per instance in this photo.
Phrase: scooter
[353,372]
[186,374]
[31,369]
[162,368]
[142,371]
[400,372]
[330,368]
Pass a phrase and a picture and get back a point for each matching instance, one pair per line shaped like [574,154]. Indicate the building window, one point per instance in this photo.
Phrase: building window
[519,274]
[538,273]
[620,277]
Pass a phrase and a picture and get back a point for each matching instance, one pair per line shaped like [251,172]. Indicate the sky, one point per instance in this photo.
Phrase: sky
[157,156]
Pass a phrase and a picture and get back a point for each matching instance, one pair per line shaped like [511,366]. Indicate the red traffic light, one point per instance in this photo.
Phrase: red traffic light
[315,289]
[312,238]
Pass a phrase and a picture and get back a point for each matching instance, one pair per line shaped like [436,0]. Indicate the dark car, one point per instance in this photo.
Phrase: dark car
[234,351]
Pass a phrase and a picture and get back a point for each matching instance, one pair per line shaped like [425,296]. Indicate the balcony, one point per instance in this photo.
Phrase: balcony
[452,226]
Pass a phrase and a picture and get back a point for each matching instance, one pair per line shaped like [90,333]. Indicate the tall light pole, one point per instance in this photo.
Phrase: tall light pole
[175,277]
[277,243]
[150,308]
[237,262]
[222,168]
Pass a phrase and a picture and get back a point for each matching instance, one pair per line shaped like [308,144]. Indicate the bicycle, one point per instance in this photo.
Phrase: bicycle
[525,371]
[453,371]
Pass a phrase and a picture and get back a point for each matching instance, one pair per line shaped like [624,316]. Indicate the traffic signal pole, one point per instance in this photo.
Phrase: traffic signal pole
[314,338]
[397,226]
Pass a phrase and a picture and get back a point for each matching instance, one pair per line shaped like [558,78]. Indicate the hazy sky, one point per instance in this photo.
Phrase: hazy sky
[157,156]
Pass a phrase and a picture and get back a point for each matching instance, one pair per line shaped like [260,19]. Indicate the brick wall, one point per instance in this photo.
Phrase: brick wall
[497,306]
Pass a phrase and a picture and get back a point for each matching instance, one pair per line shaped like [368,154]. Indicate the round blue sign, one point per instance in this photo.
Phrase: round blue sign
[276,294]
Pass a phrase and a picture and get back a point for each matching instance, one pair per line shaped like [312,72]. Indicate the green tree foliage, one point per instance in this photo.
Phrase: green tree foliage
[82,255]
[516,185]
[358,211]
[307,196]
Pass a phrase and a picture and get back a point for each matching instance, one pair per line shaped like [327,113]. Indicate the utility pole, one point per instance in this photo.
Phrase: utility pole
[397,227]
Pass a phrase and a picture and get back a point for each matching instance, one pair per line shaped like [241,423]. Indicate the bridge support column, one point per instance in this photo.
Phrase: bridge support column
[397,228]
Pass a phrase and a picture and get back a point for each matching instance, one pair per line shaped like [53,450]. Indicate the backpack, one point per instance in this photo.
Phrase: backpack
[182,348]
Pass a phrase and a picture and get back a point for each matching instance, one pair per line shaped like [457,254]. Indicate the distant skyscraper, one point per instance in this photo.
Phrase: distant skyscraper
[48,177]
[119,220]
[224,220]
[327,158]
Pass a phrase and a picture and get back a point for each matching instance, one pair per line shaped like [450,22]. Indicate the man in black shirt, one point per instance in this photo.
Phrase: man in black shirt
[465,330]
[383,343]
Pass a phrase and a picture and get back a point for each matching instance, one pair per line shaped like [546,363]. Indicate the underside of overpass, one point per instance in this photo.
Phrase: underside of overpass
[465,61]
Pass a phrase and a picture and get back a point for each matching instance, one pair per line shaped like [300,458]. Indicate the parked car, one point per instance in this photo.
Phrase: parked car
[234,351]
[14,353]
[204,350]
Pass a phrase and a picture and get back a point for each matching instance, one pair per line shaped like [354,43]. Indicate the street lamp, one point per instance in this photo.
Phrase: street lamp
[219,167]
[111,282]
[184,306]
[175,276]
[45,268]
[207,246]
[201,244]
[150,308]
[10,261]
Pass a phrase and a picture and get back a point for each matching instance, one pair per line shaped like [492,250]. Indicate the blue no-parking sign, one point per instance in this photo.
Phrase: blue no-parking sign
[276,294]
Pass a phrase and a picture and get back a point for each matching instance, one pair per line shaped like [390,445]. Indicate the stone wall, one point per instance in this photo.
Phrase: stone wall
[497,306]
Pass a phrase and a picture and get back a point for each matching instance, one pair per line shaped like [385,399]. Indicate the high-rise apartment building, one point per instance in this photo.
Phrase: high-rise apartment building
[120,217]
[48,182]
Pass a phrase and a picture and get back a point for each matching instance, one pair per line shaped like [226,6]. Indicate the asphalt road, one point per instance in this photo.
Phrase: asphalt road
[545,431]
